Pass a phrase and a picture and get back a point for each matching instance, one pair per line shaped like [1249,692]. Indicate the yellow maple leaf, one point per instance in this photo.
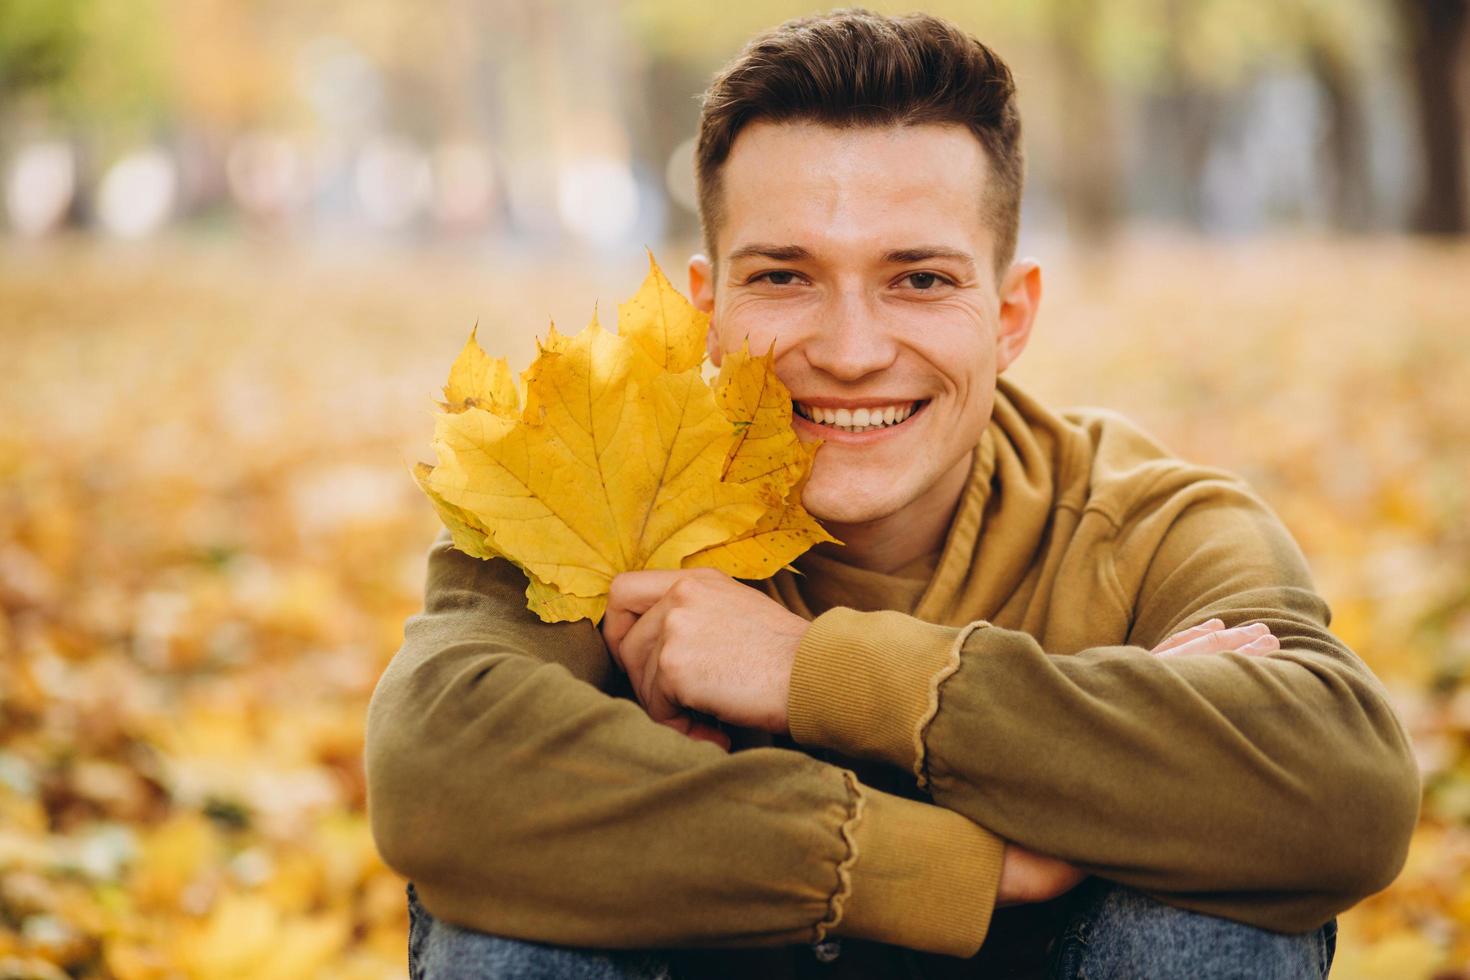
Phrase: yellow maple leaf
[622,458]
[766,451]
[479,380]
[473,539]
[783,532]
[665,326]
[767,455]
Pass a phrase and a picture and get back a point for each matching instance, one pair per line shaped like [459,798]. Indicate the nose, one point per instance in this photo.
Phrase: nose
[851,338]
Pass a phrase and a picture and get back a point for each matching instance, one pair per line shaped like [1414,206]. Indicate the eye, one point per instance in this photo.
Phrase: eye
[776,277]
[926,280]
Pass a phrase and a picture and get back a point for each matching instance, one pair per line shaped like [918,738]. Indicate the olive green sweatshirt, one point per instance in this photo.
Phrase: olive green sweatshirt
[1002,691]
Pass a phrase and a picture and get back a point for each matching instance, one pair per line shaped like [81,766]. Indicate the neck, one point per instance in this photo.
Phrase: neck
[889,543]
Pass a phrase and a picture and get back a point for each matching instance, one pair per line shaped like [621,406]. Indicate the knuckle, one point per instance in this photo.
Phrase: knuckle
[676,623]
[670,667]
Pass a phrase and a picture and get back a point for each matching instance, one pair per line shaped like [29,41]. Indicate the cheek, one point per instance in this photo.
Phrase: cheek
[763,320]
[962,359]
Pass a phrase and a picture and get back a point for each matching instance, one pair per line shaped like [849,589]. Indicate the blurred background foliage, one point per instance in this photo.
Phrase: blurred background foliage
[242,240]
[504,118]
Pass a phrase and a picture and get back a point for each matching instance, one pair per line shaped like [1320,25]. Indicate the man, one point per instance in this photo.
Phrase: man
[1028,664]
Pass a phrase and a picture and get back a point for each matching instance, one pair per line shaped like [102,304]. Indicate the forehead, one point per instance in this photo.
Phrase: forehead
[875,186]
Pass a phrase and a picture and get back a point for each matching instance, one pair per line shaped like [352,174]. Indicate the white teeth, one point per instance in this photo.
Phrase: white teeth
[858,419]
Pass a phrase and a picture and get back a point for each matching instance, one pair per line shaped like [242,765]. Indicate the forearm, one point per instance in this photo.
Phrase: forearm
[1273,789]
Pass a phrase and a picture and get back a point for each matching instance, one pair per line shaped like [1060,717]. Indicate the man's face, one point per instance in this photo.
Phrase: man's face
[863,254]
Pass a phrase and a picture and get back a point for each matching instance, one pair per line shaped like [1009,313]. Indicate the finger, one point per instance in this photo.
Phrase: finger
[701,732]
[1242,640]
[617,621]
[1217,641]
[638,591]
[630,595]
[1184,636]
[634,650]
[615,625]
[1220,641]
[1261,646]
[641,647]
[685,724]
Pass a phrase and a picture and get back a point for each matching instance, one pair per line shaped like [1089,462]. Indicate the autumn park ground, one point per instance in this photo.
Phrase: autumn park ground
[210,538]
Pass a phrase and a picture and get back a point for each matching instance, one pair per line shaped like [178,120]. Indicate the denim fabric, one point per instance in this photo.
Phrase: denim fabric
[1116,933]
[440,950]
[1112,933]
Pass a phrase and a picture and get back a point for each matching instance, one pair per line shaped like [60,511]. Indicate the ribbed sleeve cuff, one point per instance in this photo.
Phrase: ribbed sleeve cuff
[921,877]
[864,683]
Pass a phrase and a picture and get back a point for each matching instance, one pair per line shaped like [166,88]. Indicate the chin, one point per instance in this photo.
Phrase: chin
[834,502]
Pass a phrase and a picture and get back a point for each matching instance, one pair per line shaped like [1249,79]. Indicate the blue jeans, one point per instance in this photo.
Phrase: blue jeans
[1111,932]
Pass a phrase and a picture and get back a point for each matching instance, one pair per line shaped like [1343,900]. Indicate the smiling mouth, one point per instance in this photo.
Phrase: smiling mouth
[859,419]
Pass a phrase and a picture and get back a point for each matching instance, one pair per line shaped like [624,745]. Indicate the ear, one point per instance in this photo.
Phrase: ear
[1020,296]
[702,295]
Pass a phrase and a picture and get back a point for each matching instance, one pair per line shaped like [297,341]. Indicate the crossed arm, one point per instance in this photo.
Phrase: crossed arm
[523,800]
[698,642]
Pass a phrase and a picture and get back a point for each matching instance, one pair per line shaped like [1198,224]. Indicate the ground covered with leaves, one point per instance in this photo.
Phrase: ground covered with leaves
[210,536]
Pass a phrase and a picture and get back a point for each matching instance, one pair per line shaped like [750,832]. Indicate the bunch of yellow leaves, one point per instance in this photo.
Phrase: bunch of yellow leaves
[622,458]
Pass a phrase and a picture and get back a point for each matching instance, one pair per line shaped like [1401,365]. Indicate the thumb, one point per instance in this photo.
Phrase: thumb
[697,730]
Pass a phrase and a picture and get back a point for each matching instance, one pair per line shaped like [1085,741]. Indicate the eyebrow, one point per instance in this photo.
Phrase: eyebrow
[795,253]
[780,253]
[921,252]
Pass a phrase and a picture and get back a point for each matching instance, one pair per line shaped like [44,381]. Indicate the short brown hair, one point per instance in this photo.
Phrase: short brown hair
[853,68]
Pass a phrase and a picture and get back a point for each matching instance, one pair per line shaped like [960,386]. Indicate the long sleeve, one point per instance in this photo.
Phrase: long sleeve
[525,800]
[1276,791]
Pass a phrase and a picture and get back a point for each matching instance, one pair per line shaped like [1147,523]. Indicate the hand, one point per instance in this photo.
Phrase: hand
[1212,637]
[698,730]
[1026,876]
[696,639]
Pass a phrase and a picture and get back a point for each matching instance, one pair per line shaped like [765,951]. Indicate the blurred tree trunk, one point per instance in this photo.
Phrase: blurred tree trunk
[1089,167]
[1436,34]
[1346,148]
[668,114]
[1189,112]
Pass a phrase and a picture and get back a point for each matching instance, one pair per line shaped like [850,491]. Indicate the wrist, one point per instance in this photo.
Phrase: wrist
[781,696]
[864,683]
